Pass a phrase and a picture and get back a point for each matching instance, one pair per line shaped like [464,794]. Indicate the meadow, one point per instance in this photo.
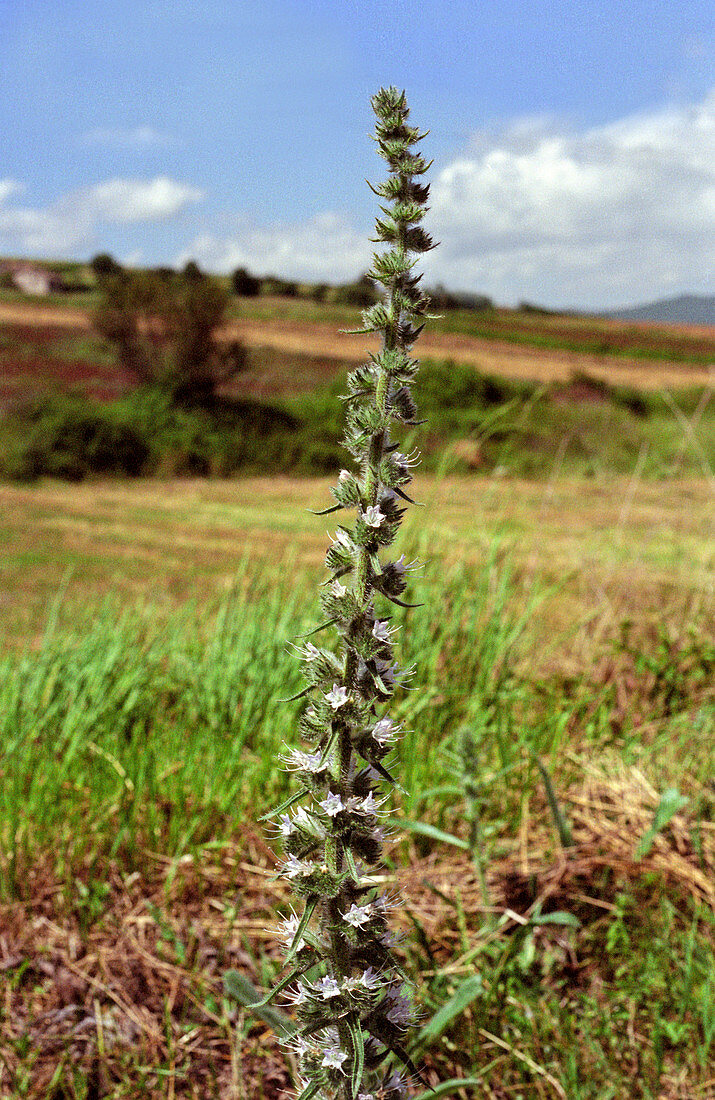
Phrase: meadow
[558,851]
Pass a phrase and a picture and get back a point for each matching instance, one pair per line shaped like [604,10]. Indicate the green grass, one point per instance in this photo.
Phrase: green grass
[137,732]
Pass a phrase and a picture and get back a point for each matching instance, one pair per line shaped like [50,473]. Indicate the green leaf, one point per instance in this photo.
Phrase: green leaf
[562,824]
[358,1041]
[671,802]
[466,992]
[566,919]
[446,1087]
[284,805]
[241,989]
[277,988]
[350,860]
[433,833]
[302,924]
[309,1091]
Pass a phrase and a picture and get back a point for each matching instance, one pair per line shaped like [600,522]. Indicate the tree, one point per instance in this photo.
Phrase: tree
[165,331]
[244,284]
[104,264]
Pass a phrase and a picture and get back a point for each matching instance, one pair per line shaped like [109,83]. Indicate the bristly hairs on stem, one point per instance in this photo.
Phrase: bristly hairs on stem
[348,989]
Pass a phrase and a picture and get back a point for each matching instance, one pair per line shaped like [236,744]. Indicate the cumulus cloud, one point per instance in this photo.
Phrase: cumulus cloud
[325,248]
[73,220]
[599,217]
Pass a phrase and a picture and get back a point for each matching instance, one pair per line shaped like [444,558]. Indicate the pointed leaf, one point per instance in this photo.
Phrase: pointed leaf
[316,629]
[302,924]
[358,1041]
[238,987]
[433,833]
[284,805]
[463,996]
[326,511]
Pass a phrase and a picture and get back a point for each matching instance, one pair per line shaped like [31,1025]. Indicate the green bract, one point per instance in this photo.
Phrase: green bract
[353,1014]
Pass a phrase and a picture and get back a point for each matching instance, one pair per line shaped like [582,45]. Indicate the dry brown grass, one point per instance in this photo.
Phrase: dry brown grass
[142,987]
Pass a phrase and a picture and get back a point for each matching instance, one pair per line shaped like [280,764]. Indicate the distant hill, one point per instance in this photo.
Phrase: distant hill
[688,309]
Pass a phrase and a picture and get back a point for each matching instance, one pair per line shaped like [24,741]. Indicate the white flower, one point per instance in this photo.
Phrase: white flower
[373,517]
[303,761]
[384,731]
[332,805]
[294,867]
[369,804]
[310,652]
[337,696]
[344,475]
[333,1058]
[370,978]
[399,565]
[288,928]
[342,537]
[357,915]
[407,461]
[300,996]
[327,987]
[286,825]
[382,631]
[338,589]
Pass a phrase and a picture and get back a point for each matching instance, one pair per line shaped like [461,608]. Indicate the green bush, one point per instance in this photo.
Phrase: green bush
[70,438]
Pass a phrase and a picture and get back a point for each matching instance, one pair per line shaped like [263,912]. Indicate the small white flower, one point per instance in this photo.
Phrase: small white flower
[310,652]
[384,731]
[288,928]
[333,1058]
[373,517]
[286,825]
[298,759]
[300,997]
[332,805]
[294,867]
[407,462]
[338,589]
[369,804]
[343,538]
[337,696]
[370,978]
[327,988]
[399,565]
[344,475]
[382,631]
[357,915]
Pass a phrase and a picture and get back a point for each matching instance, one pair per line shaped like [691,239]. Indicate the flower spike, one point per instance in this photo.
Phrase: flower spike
[353,1014]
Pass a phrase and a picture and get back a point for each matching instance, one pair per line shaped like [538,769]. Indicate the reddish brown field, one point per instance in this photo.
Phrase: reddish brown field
[326,344]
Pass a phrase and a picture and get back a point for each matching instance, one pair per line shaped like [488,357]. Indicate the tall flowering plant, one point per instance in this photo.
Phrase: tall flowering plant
[353,1012]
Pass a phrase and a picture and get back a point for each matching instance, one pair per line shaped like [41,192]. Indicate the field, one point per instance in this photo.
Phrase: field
[557,850]
[567,626]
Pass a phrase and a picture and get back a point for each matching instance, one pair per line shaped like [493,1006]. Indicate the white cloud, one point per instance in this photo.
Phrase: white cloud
[8,187]
[605,216]
[119,137]
[326,248]
[131,200]
[612,214]
[73,220]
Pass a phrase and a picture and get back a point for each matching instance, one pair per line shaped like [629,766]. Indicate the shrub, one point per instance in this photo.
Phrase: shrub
[244,284]
[164,327]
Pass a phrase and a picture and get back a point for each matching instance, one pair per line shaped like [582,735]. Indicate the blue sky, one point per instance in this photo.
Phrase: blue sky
[573,142]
